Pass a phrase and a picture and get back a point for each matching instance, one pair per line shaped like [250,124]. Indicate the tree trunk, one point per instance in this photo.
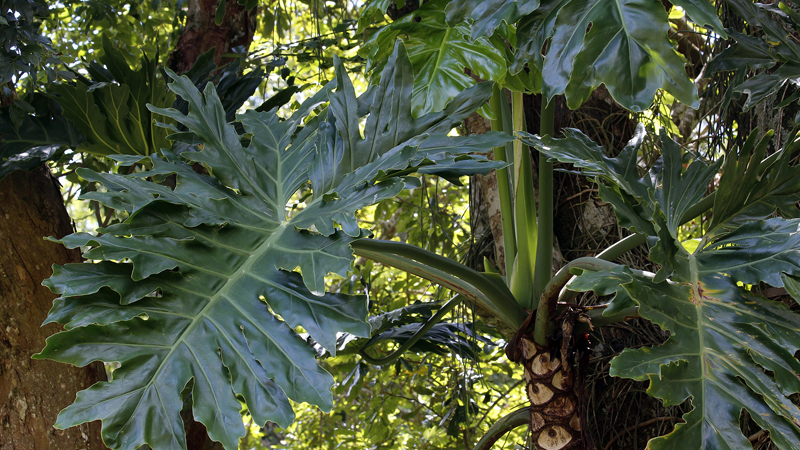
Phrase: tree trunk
[32,392]
[201,33]
[550,385]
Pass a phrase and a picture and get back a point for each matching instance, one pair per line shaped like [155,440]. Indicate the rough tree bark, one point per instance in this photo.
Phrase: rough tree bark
[33,392]
[201,33]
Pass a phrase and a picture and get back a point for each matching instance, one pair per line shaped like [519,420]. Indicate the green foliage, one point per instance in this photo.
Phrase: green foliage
[157,313]
[488,16]
[211,291]
[112,111]
[76,27]
[233,87]
[774,48]
[29,140]
[626,48]
[723,337]
[439,53]
[24,48]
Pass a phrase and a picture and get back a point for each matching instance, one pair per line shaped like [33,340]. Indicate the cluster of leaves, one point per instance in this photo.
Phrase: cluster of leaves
[151,28]
[558,47]
[775,50]
[179,326]
[730,348]
[25,49]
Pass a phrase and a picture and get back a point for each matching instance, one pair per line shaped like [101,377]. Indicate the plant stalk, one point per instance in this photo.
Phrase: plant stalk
[500,107]
[623,246]
[510,421]
[549,300]
[487,290]
[524,215]
[544,257]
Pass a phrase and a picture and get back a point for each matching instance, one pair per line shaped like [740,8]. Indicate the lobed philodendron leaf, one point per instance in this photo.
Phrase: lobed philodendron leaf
[198,291]
[775,46]
[439,53]
[722,340]
[113,114]
[729,350]
[620,43]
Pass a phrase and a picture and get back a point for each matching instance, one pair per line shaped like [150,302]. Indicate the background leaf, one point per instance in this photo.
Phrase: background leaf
[439,53]
[626,48]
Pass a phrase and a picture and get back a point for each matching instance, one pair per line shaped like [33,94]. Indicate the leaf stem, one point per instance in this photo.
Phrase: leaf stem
[524,215]
[595,313]
[549,299]
[487,290]
[510,421]
[623,246]
[544,255]
[436,318]
[500,107]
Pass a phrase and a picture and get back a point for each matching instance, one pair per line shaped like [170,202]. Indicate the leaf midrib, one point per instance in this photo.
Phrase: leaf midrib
[213,300]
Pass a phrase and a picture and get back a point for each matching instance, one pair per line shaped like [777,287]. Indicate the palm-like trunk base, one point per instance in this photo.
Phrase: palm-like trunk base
[555,420]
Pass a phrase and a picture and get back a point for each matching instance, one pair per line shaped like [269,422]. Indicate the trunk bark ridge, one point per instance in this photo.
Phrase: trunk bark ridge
[555,421]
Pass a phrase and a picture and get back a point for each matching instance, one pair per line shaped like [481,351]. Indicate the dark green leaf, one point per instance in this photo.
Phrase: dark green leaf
[626,48]
[200,284]
[722,340]
[488,15]
[439,54]
[751,189]
[114,117]
[35,141]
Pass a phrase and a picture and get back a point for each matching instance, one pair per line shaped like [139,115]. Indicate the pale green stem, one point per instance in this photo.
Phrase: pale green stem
[488,291]
[623,246]
[499,104]
[544,257]
[524,215]
[597,318]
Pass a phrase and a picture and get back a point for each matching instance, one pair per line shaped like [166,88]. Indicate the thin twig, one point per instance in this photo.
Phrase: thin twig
[504,396]
[640,425]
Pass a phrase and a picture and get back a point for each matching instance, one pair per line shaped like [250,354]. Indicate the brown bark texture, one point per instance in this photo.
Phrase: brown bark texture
[201,33]
[32,392]
[550,385]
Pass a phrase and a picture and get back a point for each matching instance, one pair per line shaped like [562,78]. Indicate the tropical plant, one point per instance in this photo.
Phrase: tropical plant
[212,292]
[256,301]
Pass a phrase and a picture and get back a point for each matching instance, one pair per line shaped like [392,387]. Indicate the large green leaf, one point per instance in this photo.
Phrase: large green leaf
[653,204]
[623,186]
[728,349]
[439,54]
[752,188]
[373,11]
[722,340]
[488,15]
[626,48]
[37,139]
[198,291]
[114,117]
